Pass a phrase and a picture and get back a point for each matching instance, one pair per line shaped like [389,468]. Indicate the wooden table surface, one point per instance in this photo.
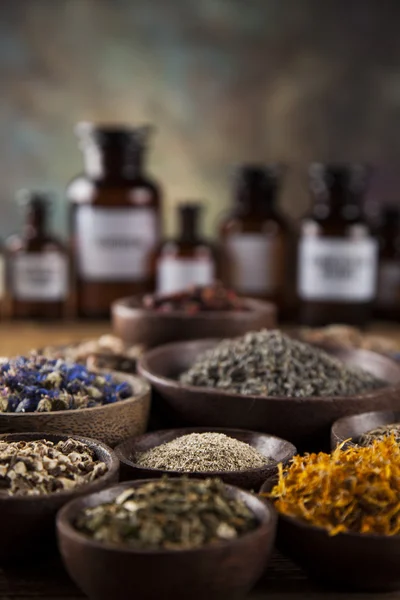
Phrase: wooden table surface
[47,580]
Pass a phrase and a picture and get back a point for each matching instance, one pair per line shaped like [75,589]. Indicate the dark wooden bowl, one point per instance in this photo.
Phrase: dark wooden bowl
[111,423]
[225,570]
[305,422]
[28,522]
[347,561]
[251,479]
[354,426]
[136,325]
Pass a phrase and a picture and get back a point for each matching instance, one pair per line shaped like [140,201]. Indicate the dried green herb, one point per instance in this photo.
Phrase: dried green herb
[42,467]
[269,363]
[379,433]
[203,452]
[169,513]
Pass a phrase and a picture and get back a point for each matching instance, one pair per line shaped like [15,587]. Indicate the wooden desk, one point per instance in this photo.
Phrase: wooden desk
[283,580]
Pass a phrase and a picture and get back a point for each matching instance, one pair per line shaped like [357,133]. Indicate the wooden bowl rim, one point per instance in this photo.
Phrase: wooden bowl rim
[111,461]
[123,308]
[119,451]
[141,385]
[343,535]
[266,526]
[207,344]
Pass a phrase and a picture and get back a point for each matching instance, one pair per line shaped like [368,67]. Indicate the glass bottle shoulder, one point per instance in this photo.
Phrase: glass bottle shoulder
[245,222]
[140,191]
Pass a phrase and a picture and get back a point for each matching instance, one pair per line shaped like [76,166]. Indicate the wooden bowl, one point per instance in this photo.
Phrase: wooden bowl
[305,422]
[110,423]
[227,570]
[251,479]
[136,325]
[354,426]
[28,522]
[347,561]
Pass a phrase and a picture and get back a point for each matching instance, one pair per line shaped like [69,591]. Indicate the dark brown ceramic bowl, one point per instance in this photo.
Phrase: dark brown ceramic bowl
[224,570]
[305,422]
[136,325]
[271,447]
[28,522]
[347,561]
[111,423]
[354,426]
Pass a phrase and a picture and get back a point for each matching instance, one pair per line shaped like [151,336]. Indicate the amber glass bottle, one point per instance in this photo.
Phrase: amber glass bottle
[37,265]
[388,297]
[337,254]
[188,259]
[116,218]
[254,236]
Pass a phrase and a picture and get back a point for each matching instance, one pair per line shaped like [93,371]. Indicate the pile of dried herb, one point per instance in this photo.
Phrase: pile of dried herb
[203,452]
[169,513]
[353,490]
[41,467]
[366,439]
[36,383]
[269,363]
[196,299]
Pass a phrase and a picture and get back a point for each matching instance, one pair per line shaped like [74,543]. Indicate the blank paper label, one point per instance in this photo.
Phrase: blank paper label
[114,244]
[252,262]
[174,275]
[41,277]
[337,270]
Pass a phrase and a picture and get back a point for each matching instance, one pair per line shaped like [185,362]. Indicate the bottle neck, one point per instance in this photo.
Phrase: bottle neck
[188,225]
[256,201]
[35,223]
[113,162]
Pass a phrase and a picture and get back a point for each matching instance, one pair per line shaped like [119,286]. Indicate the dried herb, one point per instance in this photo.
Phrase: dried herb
[41,467]
[349,337]
[203,452]
[196,299]
[366,439]
[174,514]
[107,352]
[269,363]
[35,383]
[352,490]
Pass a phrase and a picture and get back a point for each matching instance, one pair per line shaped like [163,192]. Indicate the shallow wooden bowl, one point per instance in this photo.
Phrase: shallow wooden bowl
[305,422]
[347,561]
[227,570]
[136,325]
[271,447]
[111,423]
[354,426]
[28,522]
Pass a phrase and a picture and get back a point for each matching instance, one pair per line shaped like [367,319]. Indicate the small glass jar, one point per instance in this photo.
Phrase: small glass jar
[37,264]
[337,253]
[116,218]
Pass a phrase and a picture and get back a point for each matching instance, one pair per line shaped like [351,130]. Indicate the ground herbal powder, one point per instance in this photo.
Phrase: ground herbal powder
[203,452]
[269,363]
[169,513]
[32,468]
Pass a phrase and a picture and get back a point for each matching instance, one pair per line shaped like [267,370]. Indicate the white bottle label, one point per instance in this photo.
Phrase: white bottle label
[174,275]
[114,244]
[40,277]
[337,270]
[389,283]
[252,259]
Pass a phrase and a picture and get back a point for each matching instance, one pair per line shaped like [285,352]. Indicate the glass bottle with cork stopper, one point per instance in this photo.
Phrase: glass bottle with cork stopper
[337,254]
[116,217]
[388,296]
[188,259]
[37,264]
[255,235]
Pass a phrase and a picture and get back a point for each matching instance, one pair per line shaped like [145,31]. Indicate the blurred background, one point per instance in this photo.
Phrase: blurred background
[223,81]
